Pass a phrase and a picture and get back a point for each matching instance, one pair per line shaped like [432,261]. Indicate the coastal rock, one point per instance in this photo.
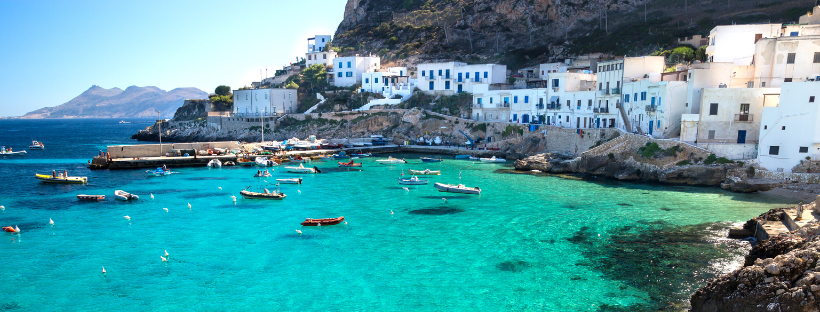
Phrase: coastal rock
[749,185]
[694,175]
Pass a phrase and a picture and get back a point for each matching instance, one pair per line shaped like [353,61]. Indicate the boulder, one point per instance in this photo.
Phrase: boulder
[748,185]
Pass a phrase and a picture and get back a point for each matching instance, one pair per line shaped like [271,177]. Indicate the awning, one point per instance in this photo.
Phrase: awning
[554,99]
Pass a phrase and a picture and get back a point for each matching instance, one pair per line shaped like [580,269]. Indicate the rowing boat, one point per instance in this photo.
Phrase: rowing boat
[266,195]
[460,188]
[321,222]
[426,172]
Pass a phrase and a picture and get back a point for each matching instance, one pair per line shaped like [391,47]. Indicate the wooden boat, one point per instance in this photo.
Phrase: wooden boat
[322,222]
[265,195]
[413,181]
[91,197]
[425,172]
[349,164]
[47,178]
[215,163]
[123,195]
[245,162]
[428,159]
[460,188]
[36,145]
[391,161]
[290,181]
[301,169]
[493,159]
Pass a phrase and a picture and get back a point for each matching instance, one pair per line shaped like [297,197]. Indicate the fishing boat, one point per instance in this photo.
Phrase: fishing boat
[461,157]
[265,162]
[123,195]
[91,197]
[428,159]
[263,195]
[349,164]
[290,181]
[493,159]
[60,178]
[36,145]
[391,161]
[244,161]
[215,163]
[460,188]
[262,174]
[8,152]
[301,169]
[426,172]
[413,181]
[322,222]
[159,172]
[299,159]
[341,155]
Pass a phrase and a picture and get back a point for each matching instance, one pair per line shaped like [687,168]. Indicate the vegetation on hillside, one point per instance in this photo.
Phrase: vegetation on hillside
[454,105]
[222,99]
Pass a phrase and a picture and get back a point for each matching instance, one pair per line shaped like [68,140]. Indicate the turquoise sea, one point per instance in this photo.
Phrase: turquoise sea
[527,243]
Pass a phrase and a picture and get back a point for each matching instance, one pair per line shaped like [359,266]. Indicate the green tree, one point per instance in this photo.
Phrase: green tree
[223,90]
[292,85]
[700,54]
[314,77]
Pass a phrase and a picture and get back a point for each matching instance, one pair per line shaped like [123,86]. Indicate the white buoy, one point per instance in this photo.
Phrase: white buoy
[166,209]
[152,195]
[103,271]
[234,198]
[127,218]
[345,222]
[166,253]
[163,259]
[444,199]
[300,191]
[2,207]
[189,206]
[50,222]
[17,229]
[220,188]
[299,231]
[391,212]
[406,189]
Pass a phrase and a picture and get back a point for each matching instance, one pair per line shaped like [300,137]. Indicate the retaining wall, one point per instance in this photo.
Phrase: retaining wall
[791,176]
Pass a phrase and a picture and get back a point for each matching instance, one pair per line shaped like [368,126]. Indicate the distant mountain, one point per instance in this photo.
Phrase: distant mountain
[115,103]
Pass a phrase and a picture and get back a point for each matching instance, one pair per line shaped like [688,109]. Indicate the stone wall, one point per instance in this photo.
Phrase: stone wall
[628,143]
[153,150]
[790,176]
[732,151]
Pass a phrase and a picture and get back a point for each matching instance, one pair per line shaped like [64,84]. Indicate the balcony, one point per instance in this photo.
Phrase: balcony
[650,108]
[616,90]
[554,106]
[603,92]
[744,118]
[478,105]
[601,110]
[539,106]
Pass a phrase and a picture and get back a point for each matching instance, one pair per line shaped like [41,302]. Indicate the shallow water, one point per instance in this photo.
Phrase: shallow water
[528,242]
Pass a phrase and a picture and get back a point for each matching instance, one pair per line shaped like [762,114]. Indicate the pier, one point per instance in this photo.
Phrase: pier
[783,220]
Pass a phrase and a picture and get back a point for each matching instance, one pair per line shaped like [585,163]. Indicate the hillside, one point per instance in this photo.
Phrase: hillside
[525,32]
[117,103]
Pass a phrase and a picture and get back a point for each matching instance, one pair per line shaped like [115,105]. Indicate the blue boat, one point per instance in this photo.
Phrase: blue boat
[159,172]
[461,157]
[428,159]
[341,155]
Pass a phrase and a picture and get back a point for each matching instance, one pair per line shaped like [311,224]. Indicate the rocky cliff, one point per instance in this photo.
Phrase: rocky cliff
[134,101]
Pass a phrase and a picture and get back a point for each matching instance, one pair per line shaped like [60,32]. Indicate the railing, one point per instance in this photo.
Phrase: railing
[479,105]
[554,106]
[744,117]
[616,90]
[650,108]
[601,110]
[539,106]
[604,92]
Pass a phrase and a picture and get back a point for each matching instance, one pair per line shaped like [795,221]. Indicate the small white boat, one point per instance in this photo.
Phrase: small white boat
[300,169]
[265,162]
[262,174]
[8,152]
[391,161]
[426,172]
[36,145]
[123,195]
[215,163]
[413,181]
[493,159]
[290,181]
[124,122]
[460,188]
[474,158]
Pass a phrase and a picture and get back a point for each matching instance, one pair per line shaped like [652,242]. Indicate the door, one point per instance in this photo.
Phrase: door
[459,88]
[741,136]
[597,122]
[525,118]
[651,122]
[515,117]
[548,120]
[431,85]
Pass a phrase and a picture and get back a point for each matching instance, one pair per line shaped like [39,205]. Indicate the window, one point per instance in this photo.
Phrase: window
[431,74]
[816,57]
[491,100]
[787,80]
[711,135]
[635,96]
[447,85]
[309,56]
[476,77]
[589,103]
[744,109]
[783,128]
[526,99]
[643,96]
[626,98]
[765,127]
[485,74]
[459,77]
[774,150]
[713,109]
[422,73]
[555,83]
[479,100]
[375,80]
[467,75]
[763,84]
[431,85]
[811,99]
[439,72]
[515,99]
[340,65]
[579,104]
[793,34]
[349,74]
[804,149]
[447,74]
[506,100]
[324,56]
[348,64]
[750,84]
[339,75]
[790,58]
[600,86]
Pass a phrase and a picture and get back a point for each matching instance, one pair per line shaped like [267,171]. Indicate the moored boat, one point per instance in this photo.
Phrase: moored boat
[428,159]
[290,181]
[245,161]
[215,163]
[91,197]
[413,181]
[262,195]
[159,172]
[301,169]
[461,157]
[322,222]
[229,163]
[265,162]
[425,172]
[8,152]
[391,161]
[341,155]
[36,145]
[493,159]
[299,159]
[60,178]
[460,188]
[123,195]
[349,164]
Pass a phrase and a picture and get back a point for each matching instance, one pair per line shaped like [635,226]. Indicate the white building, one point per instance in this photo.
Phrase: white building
[264,102]
[347,71]
[570,101]
[786,59]
[324,57]
[505,105]
[548,68]
[318,43]
[394,81]
[790,131]
[611,76]
[455,77]
[655,107]
[736,43]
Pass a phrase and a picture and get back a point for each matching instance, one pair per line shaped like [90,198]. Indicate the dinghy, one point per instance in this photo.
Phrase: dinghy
[262,174]
[290,181]
[460,188]
[391,161]
[349,164]
[301,169]
[428,159]
[265,162]
[123,195]
[493,159]
[215,163]
[60,178]
[322,222]
[264,195]
[91,197]
[413,181]
[426,172]
[8,152]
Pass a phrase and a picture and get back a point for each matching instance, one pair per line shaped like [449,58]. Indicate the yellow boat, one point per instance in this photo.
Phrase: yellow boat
[47,178]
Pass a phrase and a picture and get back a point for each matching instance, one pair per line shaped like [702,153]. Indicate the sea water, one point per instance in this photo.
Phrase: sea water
[528,243]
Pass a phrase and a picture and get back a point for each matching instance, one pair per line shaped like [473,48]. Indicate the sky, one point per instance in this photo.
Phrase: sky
[51,52]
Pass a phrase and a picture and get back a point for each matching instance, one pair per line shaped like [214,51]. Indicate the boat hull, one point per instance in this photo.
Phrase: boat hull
[411,182]
[20,153]
[255,195]
[91,197]
[289,181]
[322,222]
[425,159]
[123,195]
[441,187]
[425,172]
[69,180]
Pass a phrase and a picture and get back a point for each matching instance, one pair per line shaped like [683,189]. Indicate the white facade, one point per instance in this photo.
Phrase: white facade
[318,43]
[570,101]
[732,115]
[786,59]
[612,75]
[736,43]
[655,107]
[390,83]
[455,77]
[545,69]
[347,71]
[505,105]
[789,132]
[267,102]
[325,58]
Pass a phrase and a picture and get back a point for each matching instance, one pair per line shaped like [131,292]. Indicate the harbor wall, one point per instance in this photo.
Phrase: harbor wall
[153,150]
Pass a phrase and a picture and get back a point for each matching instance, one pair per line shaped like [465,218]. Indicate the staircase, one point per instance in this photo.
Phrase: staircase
[321,101]
[625,118]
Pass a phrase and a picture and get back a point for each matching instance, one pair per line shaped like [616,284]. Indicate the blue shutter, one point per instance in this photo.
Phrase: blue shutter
[348,64]
[526,99]
[447,85]
[459,77]
[485,74]
[653,102]
[431,74]
[340,65]
[476,77]
[468,75]
[515,99]
[422,73]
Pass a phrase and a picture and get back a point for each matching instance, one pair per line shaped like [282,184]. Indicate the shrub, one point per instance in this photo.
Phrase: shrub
[683,163]
[479,127]
[649,150]
[724,160]
[750,171]
[740,163]
[710,160]
[610,156]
